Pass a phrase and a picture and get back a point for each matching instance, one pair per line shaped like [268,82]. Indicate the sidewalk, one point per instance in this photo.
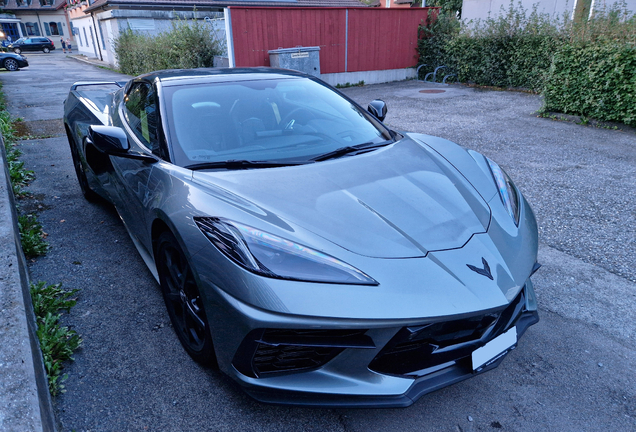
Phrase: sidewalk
[90,60]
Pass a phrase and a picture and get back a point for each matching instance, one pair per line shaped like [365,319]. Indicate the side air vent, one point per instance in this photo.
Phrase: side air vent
[265,352]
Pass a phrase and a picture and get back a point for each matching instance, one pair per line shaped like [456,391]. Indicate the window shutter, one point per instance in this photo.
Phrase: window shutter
[46,29]
[59,29]
[37,29]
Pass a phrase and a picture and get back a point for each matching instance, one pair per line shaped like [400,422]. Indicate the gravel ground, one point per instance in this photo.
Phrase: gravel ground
[573,371]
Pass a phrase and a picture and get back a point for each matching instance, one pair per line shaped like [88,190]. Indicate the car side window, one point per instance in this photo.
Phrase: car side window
[141,114]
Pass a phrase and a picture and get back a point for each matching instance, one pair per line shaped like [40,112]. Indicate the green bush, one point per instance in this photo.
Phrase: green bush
[585,67]
[512,50]
[189,44]
[597,81]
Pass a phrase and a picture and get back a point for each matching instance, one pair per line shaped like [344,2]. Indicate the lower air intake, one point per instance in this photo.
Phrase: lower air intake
[266,352]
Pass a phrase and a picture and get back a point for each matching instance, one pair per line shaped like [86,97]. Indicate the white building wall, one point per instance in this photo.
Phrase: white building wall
[85,44]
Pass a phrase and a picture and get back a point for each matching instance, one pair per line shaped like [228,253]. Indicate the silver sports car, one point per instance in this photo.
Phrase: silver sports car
[314,254]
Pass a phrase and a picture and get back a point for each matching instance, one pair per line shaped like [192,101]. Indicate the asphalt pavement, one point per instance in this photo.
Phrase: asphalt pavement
[573,371]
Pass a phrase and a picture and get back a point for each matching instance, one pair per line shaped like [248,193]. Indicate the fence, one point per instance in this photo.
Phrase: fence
[350,39]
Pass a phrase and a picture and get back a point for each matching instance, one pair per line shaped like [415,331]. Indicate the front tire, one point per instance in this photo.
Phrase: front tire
[183,300]
[46,50]
[11,65]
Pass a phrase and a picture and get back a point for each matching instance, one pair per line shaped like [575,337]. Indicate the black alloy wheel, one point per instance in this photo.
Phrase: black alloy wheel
[10,64]
[17,50]
[183,300]
[46,50]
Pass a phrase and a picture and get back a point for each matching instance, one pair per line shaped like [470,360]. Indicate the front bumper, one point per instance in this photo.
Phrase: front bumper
[388,372]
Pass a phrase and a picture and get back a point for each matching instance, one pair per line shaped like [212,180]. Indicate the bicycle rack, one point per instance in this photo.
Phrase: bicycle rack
[434,75]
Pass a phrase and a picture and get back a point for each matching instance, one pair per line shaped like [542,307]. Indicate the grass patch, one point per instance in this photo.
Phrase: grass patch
[57,342]
[345,85]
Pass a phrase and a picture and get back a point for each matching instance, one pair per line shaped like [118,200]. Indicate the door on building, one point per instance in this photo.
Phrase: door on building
[11,33]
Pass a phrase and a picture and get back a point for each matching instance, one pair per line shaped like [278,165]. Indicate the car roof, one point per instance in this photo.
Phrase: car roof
[193,76]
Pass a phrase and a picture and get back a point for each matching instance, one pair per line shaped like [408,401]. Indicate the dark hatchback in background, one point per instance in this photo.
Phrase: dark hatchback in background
[13,62]
[43,44]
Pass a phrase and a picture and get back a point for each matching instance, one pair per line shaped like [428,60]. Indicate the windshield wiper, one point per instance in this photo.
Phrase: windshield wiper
[358,148]
[242,164]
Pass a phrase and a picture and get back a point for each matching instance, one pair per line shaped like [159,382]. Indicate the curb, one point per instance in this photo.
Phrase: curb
[90,61]
[25,401]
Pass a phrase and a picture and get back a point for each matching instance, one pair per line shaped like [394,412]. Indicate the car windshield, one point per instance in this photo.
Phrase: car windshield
[21,40]
[295,119]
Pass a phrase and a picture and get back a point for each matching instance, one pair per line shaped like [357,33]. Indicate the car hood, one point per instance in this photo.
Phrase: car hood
[400,201]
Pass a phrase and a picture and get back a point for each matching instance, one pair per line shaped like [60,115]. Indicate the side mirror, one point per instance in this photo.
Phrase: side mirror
[109,139]
[378,109]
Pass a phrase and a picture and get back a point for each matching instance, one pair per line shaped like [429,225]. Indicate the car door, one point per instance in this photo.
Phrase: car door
[27,45]
[40,43]
[139,117]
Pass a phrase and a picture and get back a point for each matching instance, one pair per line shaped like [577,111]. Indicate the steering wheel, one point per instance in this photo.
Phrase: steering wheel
[296,115]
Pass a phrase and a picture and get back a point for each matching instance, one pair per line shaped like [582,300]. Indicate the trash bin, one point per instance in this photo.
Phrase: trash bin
[303,59]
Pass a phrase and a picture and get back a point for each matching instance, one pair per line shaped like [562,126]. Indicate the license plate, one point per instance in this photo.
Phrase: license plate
[494,349]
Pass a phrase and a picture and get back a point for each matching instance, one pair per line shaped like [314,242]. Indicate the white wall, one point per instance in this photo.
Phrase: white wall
[84,44]
[481,9]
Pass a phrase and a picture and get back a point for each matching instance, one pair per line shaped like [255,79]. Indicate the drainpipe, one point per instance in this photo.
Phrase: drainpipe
[40,22]
[97,38]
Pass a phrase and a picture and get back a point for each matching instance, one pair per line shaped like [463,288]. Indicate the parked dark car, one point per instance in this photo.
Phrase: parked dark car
[32,44]
[13,62]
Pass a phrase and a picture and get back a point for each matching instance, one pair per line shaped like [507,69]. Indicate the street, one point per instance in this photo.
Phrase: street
[573,371]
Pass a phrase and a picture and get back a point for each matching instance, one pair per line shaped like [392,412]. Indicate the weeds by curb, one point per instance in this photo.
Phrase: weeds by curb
[56,341]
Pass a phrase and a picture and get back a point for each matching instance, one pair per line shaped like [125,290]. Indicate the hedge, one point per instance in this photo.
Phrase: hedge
[513,50]
[586,68]
[597,81]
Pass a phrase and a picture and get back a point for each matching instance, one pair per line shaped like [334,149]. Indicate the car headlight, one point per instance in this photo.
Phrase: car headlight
[272,256]
[507,190]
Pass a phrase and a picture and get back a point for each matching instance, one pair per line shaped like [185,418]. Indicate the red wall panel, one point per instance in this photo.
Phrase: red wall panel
[378,39]
[255,31]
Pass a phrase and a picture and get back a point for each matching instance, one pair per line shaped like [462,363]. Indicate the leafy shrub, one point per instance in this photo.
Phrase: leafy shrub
[512,50]
[597,81]
[586,67]
[189,44]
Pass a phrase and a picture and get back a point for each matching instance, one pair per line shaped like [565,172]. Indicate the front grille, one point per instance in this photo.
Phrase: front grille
[271,351]
[418,348]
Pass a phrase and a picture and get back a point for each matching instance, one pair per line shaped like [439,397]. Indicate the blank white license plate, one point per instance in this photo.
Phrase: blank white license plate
[492,350]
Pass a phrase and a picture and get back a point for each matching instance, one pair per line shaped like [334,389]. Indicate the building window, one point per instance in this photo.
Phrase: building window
[32,29]
[23,2]
[54,29]
[47,2]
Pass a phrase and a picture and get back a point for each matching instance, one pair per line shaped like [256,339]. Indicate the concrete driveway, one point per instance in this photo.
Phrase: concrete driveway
[574,371]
